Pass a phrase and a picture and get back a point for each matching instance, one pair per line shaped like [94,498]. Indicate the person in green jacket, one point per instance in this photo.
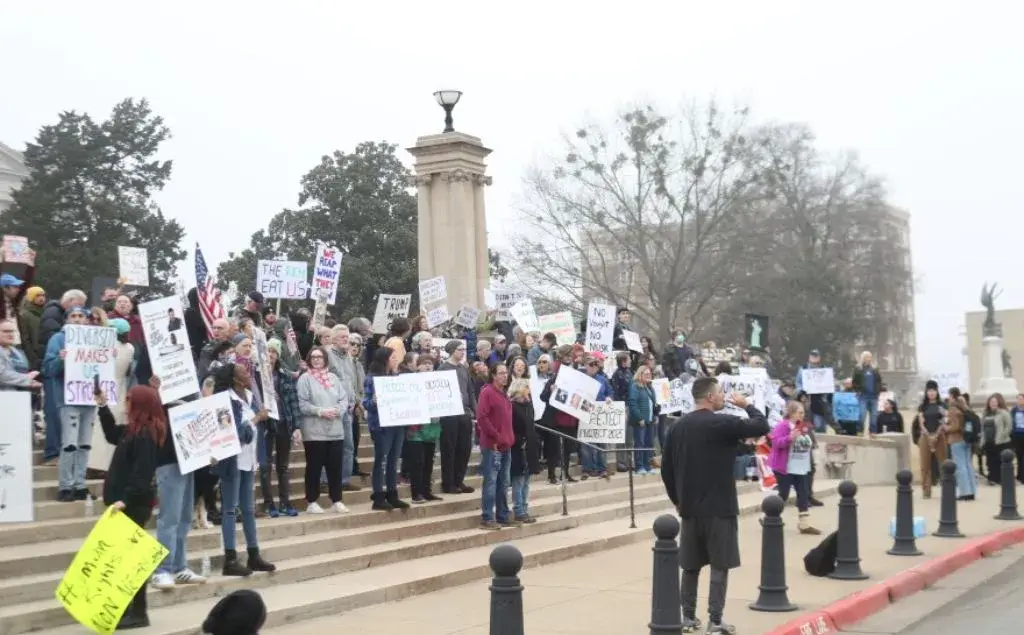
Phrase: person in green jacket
[421,442]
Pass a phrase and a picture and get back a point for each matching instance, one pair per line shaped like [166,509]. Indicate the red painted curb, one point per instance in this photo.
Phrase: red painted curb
[860,605]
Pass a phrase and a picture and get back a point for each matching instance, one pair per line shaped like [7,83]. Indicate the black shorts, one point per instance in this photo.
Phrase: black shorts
[709,541]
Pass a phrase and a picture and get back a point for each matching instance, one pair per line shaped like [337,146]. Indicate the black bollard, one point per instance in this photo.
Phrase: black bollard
[1008,504]
[904,543]
[506,591]
[948,527]
[666,612]
[773,596]
[848,549]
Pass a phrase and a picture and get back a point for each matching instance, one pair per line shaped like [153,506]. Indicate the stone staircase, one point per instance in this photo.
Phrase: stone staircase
[329,563]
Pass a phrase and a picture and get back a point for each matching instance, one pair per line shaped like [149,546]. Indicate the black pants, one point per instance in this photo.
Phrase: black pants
[356,434]
[798,483]
[278,444]
[421,466]
[456,447]
[994,461]
[138,607]
[321,455]
[1017,443]
[568,447]
[206,488]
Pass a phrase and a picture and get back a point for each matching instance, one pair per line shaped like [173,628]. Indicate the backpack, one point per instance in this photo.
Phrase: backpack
[988,430]
[821,560]
[971,422]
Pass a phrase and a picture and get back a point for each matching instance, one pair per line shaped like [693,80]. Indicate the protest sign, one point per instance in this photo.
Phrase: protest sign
[673,396]
[438,315]
[441,392]
[749,386]
[89,353]
[606,424]
[16,251]
[170,352]
[320,309]
[600,327]
[203,430]
[259,351]
[400,400]
[818,381]
[390,307]
[560,324]
[574,392]
[116,558]
[432,290]
[504,300]
[735,411]
[524,315]
[326,272]
[765,390]
[282,279]
[133,266]
[947,381]
[490,301]
[632,341]
[16,504]
[467,317]
[536,387]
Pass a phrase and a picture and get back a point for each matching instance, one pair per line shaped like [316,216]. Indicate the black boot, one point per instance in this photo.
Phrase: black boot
[135,616]
[380,502]
[257,563]
[395,502]
[233,567]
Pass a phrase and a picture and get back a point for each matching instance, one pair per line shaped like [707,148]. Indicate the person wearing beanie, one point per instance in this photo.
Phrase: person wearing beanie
[30,312]
[457,431]
[240,612]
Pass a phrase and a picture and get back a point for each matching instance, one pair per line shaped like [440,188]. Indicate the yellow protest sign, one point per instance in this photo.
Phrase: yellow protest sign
[115,560]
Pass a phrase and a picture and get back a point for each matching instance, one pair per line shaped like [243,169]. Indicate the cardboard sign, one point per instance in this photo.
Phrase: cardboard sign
[133,266]
[203,430]
[561,325]
[89,354]
[326,272]
[433,290]
[170,351]
[16,251]
[389,307]
[282,279]
[606,424]
[467,317]
[600,327]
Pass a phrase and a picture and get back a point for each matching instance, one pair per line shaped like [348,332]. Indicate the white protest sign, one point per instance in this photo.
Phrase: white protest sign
[606,424]
[390,307]
[600,328]
[747,386]
[438,315]
[203,430]
[400,400]
[133,266]
[326,272]
[170,352]
[765,389]
[259,351]
[320,308]
[524,315]
[574,392]
[735,411]
[490,301]
[818,381]
[433,290]
[673,396]
[467,317]
[945,382]
[504,300]
[560,324]
[536,387]
[632,341]
[441,392]
[16,488]
[283,279]
[90,354]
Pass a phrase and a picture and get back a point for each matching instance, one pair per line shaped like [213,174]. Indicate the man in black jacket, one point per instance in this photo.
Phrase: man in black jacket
[457,432]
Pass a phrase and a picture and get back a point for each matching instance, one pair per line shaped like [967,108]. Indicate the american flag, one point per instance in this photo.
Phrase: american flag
[209,297]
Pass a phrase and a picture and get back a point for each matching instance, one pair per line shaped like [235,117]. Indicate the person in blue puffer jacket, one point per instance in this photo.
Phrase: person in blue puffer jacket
[592,454]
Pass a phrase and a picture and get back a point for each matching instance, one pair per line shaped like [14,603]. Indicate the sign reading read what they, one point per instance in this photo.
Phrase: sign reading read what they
[326,272]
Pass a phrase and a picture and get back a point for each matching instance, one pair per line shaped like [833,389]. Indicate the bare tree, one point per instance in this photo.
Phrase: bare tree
[649,213]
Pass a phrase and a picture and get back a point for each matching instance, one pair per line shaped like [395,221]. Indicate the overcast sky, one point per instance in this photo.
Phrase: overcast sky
[255,92]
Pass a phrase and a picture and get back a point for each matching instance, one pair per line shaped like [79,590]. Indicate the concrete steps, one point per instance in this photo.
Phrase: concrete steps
[308,587]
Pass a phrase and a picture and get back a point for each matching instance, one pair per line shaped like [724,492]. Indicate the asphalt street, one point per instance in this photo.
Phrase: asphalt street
[996,606]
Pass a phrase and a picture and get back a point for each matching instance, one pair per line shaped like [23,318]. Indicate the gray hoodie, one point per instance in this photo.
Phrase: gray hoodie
[465,385]
[314,398]
[342,365]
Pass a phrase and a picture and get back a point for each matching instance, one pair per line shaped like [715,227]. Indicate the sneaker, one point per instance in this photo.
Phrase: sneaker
[350,487]
[720,629]
[162,580]
[653,472]
[314,508]
[65,496]
[509,522]
[526,520]
[691,624]
[339,508]
[188,576]
[236,569]
[569,479]
[431,498]
[273,512]
[81,494]
[815,502]
[489,525]
[466,489]
[289,511]
[418,500]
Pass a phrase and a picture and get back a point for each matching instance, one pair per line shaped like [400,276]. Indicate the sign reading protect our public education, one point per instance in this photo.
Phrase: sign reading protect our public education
[116,558]
[560,324]
[89,352]
[415,398]
[389,307]
[606,424]
[16,500]
[600,328]
[170,351]
[326,272]
[133,265]
[283,279]
[203,430]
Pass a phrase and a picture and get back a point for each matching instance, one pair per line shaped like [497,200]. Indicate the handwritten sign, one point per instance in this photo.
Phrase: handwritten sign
[606,424]
[818,381]
[390,307]
[438,315]
[504,300]
[632,341]
[525,316]
[133,265]
[89,353]
[327,272]
[747,385]
[560,324]
[16,250]
[600,327]
[260,352]
[433,290]
[282,279]
[467,317]
[673,396]
[170,352]
[115,560]
[16,504]
[203,430]
[400,400]
[441,392]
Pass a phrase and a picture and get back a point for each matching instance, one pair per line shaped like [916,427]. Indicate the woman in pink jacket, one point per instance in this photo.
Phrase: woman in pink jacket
[790,460]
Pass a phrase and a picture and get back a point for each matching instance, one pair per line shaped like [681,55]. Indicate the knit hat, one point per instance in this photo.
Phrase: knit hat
[931,384]
[274,344]
[122,326]
[241,612]
[452,346]
[34,292]
[237,339]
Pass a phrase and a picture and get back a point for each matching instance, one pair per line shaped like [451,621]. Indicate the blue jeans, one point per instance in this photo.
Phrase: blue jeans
[869,406]
[177,500]
[819,423]
[643,438]
[387,449]
[51,418]
[593,459]
[521,495]
[961,453]
[236,490]
[493,497]
[75,439]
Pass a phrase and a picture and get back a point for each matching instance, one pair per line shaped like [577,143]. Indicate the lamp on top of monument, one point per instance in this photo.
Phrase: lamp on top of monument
[447,100]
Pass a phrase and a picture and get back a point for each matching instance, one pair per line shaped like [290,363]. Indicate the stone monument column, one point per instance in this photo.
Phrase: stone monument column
[996,375]
[450,176]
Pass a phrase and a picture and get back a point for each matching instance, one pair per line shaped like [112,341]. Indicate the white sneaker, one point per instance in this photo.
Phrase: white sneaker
[188,576]
[314,508]
[339,508]
[162,580]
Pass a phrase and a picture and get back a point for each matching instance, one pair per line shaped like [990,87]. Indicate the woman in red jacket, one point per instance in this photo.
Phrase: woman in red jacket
[494,427]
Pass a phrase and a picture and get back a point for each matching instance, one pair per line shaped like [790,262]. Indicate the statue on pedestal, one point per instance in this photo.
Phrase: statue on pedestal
[988,296]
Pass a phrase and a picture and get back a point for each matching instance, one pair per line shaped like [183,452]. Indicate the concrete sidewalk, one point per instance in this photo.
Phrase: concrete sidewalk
[611,592]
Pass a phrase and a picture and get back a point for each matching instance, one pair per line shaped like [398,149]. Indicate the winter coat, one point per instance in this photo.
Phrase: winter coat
[526,449]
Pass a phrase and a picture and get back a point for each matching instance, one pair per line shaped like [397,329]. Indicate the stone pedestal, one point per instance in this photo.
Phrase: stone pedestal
[450,176]
[992,379]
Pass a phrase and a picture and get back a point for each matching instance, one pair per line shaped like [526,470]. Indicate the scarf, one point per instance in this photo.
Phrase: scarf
[322,375]
[247,363]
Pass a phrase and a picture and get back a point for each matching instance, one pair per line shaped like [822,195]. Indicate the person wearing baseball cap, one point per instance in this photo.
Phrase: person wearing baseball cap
[254,307]
[13,292]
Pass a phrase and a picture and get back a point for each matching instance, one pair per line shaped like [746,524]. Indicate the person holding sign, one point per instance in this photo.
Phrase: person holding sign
[387,441]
